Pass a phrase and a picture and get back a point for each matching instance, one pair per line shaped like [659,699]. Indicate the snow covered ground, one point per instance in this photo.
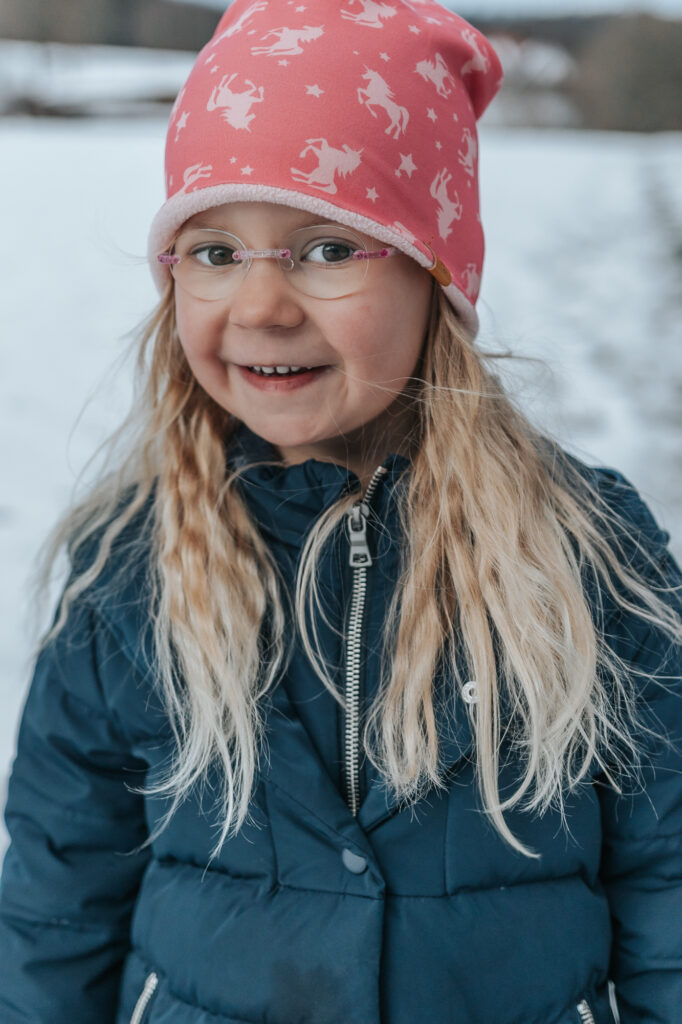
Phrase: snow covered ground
[584,245]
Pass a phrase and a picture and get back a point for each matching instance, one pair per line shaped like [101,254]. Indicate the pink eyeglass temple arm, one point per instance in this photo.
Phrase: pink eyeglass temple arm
[243,254]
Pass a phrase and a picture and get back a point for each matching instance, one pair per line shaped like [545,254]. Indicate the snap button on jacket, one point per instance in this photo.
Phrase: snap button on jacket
[313,914]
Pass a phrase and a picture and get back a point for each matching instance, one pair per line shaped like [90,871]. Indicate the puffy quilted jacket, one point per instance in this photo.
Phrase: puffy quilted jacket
[333,907]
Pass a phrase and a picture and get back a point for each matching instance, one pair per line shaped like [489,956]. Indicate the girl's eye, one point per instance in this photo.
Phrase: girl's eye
[218,255]
[329,252]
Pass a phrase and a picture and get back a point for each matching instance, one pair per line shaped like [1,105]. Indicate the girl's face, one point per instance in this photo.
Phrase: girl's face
[370,343]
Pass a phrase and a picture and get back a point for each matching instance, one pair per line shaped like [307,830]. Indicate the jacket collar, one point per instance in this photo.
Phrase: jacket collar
[307,489]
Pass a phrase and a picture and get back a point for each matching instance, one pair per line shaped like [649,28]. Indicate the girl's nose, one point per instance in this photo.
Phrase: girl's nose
[263,295]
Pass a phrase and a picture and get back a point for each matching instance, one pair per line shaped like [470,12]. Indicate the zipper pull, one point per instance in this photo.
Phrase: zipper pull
[357,531]
[150,984]
[585,1012]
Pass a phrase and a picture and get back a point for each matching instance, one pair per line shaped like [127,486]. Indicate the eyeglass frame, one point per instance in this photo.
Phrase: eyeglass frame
[247,255]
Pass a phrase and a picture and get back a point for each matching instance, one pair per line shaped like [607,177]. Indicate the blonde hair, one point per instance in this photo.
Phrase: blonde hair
[498,544]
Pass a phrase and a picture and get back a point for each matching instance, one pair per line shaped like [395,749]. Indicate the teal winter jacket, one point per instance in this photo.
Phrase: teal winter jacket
[334,906]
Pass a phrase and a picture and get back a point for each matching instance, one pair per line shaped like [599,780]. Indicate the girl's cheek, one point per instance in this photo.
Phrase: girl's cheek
[184,326]
[197,336]
[361,331]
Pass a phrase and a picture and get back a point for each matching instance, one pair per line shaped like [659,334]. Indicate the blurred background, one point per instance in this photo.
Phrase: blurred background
[581,191]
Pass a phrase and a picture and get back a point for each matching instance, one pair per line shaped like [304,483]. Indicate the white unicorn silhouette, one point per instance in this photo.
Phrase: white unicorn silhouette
[175,110]
[437,73]
[288,40]
[472,279]
[194,173]
[235,105]
[479,61]
[240,23]
[379,94]
[329,161]
[468,157]
[448,209]
[371,15]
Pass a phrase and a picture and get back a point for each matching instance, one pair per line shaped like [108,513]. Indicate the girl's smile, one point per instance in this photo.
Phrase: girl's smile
[277,381]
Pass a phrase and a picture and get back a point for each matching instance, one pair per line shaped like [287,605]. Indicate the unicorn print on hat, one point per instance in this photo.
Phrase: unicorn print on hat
[371,15]
[329,161]
[235,106]
[448,209]
[479,60]
[194,174]
[379,94]
[472,279]
[288,40]
[436,71]
[468,157]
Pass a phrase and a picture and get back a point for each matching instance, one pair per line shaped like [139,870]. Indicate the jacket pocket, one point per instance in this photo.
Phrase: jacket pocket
[145,998]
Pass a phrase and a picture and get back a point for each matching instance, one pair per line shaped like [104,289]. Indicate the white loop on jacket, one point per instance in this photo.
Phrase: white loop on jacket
[470,692]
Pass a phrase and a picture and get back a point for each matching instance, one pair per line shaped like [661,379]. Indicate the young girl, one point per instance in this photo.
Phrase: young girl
[359,705]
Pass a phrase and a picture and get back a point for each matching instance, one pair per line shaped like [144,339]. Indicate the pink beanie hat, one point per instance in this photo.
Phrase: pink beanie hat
[363,112]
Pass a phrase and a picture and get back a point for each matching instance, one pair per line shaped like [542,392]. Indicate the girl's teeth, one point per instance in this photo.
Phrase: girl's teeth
[269,370]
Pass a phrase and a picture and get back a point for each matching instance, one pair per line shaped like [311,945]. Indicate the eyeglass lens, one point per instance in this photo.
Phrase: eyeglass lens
[321,263]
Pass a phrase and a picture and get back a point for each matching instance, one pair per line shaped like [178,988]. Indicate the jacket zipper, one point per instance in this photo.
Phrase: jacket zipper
[586,1015]
[151,981]
[360,560]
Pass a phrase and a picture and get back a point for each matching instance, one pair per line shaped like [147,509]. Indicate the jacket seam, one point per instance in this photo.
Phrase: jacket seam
[333,892]
[610,838]
[65,922]
[263,883]
[468,890]
[272,836]
[69,813]
[168,859]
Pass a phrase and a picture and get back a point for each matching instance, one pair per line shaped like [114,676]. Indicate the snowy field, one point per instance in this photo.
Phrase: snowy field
[584,246]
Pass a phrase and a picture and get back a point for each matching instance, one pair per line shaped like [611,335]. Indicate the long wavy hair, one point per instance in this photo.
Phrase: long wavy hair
[498,544]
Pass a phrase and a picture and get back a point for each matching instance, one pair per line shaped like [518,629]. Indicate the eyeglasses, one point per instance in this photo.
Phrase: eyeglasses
[321,260]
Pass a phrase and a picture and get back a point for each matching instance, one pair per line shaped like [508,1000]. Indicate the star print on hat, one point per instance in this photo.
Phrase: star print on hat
[363,112]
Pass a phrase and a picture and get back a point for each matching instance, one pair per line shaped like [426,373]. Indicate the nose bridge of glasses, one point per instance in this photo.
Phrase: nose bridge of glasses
[284,256]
